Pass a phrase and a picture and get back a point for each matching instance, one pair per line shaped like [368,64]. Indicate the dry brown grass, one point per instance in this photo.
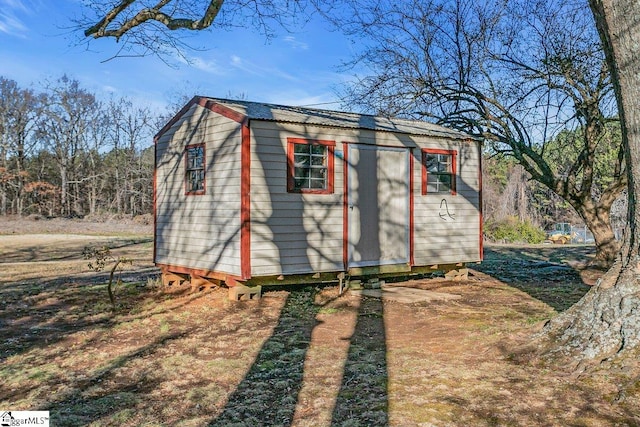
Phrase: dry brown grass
[299,356]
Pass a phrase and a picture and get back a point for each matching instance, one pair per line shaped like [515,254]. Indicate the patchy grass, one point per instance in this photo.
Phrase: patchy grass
[301,356]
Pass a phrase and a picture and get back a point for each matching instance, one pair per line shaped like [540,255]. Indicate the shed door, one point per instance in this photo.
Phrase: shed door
[378,205]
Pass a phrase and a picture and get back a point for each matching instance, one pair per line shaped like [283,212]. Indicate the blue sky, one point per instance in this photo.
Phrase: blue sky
[298,68]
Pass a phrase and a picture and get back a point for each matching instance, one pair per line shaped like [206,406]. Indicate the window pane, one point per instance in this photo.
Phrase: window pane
[438,183]
[317,184]
[301,173]
[301,148]
[195,181]
[438,163]
[195,172]
[318,173]
[443,163]
[301,183]
[318,160]
[445,181]
[310,166]
[431,163]
[301,160]
[318,149]
[432,187]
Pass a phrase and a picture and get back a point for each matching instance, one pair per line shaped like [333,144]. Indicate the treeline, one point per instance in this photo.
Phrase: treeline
[64,152]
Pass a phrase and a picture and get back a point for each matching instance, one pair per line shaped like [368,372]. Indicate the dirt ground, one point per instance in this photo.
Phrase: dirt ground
[301,356]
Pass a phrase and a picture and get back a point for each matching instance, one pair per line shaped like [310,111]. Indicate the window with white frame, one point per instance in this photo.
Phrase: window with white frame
[438,171]
[310,166]
[195,169]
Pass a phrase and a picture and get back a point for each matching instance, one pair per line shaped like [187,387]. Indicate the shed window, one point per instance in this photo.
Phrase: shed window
[195,171]
[438,171]
[310,166]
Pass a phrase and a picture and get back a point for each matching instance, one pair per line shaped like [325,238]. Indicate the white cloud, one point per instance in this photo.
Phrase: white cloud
[11,25]
[10,22]
[295,44]
[14,4]
[208,66]
[238,62]
[261,70]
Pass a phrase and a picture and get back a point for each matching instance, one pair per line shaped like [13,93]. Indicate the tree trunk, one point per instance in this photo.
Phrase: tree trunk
[3,201]
[607,320]
[607,247]
[598,221]
[64,205]
[522,199]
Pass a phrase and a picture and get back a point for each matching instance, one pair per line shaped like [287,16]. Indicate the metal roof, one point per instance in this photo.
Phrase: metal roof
[314,116]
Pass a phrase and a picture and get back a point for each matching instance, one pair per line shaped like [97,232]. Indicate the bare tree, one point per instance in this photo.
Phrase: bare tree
[18,112]
[514,72]
[130,127]
[64,128]
[62,152]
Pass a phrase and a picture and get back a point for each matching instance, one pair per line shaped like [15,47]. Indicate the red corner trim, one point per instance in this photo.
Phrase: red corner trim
[155,198]
[245,203]
[481,219]
[411,210]
[345,206]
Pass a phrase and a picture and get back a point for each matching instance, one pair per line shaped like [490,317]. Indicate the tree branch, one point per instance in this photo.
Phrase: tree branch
[101,29]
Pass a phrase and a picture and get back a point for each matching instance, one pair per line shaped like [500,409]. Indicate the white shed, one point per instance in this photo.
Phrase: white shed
[248,192]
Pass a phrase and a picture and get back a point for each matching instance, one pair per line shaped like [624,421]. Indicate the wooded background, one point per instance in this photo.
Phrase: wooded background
[64,152]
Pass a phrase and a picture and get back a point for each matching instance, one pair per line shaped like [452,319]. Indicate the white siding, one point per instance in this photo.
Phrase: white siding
[199,231]
[447,227]
[302,233]
[292,233]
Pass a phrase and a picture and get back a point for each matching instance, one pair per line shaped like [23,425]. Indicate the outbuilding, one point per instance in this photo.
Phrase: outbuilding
[248,193]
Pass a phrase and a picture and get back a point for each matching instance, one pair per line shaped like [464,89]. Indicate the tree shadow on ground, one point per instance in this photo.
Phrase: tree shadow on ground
[363,398]
[88,402]
[37,314]
[72,250]
[552,274]
[268,394]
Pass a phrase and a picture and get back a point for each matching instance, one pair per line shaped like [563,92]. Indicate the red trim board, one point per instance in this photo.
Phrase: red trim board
[411,210]
[155,199]
[245,202]
[345,206]
[481,219]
